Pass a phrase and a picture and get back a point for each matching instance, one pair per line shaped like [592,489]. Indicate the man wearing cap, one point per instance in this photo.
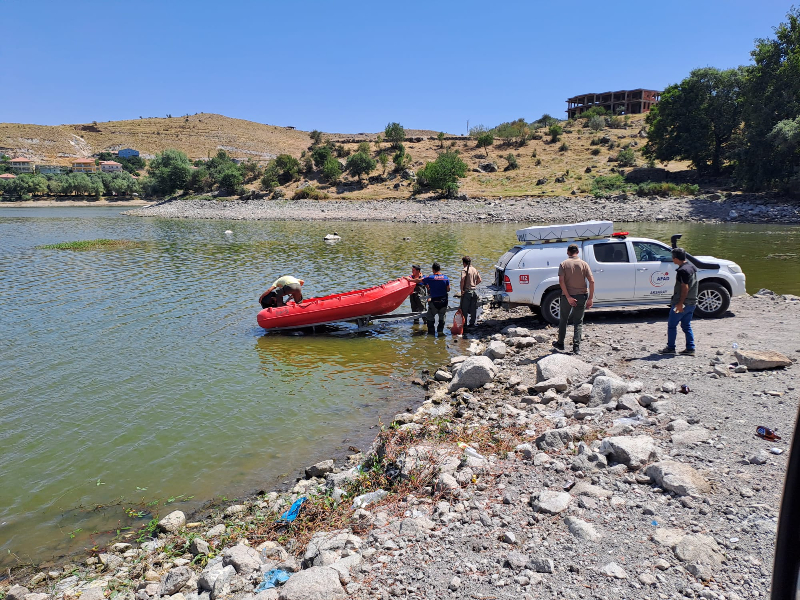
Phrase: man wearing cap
[470,278]
[420,294]
[283,286]
[682,303]
[573,274]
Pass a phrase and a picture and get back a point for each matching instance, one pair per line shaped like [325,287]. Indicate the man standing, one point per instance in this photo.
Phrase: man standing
[470,278]
[573,274]
[438,285]
[420,293]
[682,303]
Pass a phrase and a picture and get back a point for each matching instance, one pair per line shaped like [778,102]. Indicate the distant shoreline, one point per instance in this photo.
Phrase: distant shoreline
[137,202]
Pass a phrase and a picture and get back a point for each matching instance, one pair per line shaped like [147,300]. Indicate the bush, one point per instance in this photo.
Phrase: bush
[484,141]
[538,162]
[395,134]
[271,178]
[596,123]
[533,154]
[316,137]
[595,151]
[308,165]
[360,164]
[512,162]
[443,173]
[595,111]
[332,170]
[563,147]
[320,155]
[231,180]
[536,136]
[626,157]
[340,151]
[169,172]
[555,132]
[288,167]
[607,183]
[364,148]
[616,123]
[311,193]
[652,188]
[612,144]
[383,158]
[401,158]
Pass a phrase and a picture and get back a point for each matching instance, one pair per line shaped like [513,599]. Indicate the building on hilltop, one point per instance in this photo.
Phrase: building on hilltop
[50,169]
[22,165]
[110,166]
[84,165]
[626,102]
[127,153]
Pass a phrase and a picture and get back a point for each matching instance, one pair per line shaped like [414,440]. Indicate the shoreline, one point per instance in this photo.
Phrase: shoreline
[477,524]
[74,203]
[738,209]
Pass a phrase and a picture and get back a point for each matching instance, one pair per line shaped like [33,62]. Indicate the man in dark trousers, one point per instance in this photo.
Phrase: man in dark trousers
[682,303]
[438,285]
[420,293]
[470,278]
[573,274]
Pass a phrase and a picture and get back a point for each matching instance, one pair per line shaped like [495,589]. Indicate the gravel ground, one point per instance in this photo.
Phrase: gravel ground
[615,486]
[740,209]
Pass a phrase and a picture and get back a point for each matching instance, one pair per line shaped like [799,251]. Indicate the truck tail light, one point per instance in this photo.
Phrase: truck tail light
[507,283]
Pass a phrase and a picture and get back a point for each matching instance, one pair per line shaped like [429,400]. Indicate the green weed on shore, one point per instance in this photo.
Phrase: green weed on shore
[89,245]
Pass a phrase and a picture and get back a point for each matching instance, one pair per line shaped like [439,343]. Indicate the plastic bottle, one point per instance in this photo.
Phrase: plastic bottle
[735,346]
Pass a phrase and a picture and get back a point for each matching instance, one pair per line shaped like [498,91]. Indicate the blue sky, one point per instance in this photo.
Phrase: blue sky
[354,66]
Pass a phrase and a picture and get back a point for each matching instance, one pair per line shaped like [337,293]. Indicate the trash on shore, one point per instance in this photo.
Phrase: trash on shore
[294,510]
[470,451]
[685,389]
[273,578]
[767,433]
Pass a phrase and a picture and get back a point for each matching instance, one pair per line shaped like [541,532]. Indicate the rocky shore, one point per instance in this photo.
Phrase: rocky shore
[711,209]
[524,474]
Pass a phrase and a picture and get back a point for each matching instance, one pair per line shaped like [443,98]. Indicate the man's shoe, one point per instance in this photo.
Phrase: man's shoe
[667,350]
[576,349]
[558,346]
[687,352]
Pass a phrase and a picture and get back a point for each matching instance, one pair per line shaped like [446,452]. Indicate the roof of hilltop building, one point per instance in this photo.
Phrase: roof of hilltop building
[82,160]
[21,160]
[110,162]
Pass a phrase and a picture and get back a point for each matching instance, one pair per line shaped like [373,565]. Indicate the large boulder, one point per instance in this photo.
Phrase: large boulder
[581,529]
[605,389]
[173,522]
[496,349]
[679,478]
[242,558]
[17,592]
[758,360]
[552,502]
[555,439]
[174,580]
[563,366]
[326,547]
[320,469]
[316,583]
[209,575]
[632,451]
[473,373]
[698,548]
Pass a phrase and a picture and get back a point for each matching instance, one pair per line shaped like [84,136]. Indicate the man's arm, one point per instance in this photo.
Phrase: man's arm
[684,293]
[570,299]
[479,277]
[590,300]
[463,279]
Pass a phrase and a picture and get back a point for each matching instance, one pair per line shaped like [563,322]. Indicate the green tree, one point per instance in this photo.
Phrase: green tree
[271,178]
[395,134]
[440,137]
[555,132]
[332,170]
[169,172]
[378,140]
[596,123]
[443,173]
[626,157]
[547,121]
[771,104]
[484,141]
[231,180]
[364,147]
[360,164]
[697,119]
[320,155]
[288,166]
[316,137]
[383,158]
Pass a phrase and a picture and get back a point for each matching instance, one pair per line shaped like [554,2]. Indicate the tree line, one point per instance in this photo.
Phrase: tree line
[744,121]
[27,185]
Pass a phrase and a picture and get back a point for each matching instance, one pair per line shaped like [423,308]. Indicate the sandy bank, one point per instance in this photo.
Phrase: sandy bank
[70,202]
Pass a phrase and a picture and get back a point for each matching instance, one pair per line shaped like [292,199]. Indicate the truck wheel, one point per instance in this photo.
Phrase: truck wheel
[550,308]
[713,300]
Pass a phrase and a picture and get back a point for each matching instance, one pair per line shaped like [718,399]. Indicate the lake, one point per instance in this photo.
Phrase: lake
[139,376]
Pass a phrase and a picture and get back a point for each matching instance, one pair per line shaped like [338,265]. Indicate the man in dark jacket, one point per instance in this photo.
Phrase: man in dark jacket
[682,303]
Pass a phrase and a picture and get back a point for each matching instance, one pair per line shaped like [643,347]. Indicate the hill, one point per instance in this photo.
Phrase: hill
[545,168]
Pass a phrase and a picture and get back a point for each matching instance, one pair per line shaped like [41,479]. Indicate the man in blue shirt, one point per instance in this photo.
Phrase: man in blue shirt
[438,285]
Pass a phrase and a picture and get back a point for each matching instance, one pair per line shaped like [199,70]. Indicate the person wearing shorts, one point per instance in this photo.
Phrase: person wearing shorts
[283,286]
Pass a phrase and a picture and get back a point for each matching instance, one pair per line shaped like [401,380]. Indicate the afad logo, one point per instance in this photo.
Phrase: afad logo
[659,279]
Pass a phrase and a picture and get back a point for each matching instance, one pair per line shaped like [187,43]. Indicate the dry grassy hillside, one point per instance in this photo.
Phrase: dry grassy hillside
[203,135]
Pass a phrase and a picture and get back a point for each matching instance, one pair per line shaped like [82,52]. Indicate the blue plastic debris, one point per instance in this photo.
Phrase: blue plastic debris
[654,523]
[273,578]
[294,510]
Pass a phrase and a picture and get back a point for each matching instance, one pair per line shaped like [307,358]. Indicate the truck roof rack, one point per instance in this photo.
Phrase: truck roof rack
[588,230]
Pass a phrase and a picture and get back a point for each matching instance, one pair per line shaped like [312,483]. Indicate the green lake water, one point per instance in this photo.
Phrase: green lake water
[138,375]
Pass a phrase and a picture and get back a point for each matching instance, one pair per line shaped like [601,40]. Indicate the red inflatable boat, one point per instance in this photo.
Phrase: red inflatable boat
[349,306]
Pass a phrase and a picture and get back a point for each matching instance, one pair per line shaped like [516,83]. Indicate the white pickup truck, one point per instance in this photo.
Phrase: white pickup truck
[628,271]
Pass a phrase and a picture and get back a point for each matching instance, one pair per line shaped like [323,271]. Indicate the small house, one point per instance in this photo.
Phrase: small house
[22,165]
[7,176]
[84,165]
[110,166]
[50,169]
[127,153]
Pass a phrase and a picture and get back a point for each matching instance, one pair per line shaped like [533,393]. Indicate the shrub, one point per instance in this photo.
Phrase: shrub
[440,137]
[555,132]
[596,123]
[340,151]
[395,134]
[595,151]
[563,147]
[360,164]
[401,158]
[378,140]
[538,162]
[288,166]
[316,137]
[612,144]
[332,170]
[320,155]
[533,154]
[484,141]
[309,192]
[443,173]
[278,194]
[271,178]
[169,172]
[595,111]
[536,136]
[308,165]
[364,147]
[626,157]
[652,188]
[383,158]
[231,180]
[603,184]
[616,123]
[512,162]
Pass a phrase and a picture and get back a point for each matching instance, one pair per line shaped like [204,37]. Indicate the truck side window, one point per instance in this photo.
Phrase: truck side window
[611,253]
[647,251]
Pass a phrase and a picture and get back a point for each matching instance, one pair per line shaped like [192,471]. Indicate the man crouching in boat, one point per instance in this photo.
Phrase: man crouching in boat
[283,286]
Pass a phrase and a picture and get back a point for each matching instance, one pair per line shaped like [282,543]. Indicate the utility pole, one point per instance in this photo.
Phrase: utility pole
[467,126]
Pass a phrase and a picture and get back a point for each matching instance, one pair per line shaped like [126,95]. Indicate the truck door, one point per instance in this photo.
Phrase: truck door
[655,271]
[614,273]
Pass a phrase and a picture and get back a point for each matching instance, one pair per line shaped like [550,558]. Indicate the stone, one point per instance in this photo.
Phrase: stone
[174,580]
[679,478]
[315,583]
[473,373]
[415,526]
[584,488]
[17,592]
[173,522]
[216,531]
[441,375]
[558,384]
[612,569]
[553,366]
[455,583]
[516,560]
[583,530]
[646,399]
[222,585]
[555,439]
[692,435]
[320,469]
[585,413]
[759,360]
[700,549]
[606,389]
[668,387]
[552,502]
[110,562]
[582,394]
[526,450]
[541,565]
[549,396]
[517,332]
[701,571]
[759,459]
[209,574]
[121,547]
[508,537]
[668,536]
[242,558]
[488,167]
[447,484]
[36,597]
[199,546]
[523,342]
[496,349]
[678,425]
[590,461]
[632,451]
[93,593]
